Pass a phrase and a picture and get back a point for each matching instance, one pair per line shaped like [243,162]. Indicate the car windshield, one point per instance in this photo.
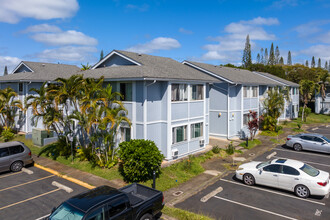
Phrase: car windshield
[66,212]
[263,164]
[326,139]
[310,170]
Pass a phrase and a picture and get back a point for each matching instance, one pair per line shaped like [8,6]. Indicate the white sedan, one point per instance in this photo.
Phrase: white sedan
[291,175]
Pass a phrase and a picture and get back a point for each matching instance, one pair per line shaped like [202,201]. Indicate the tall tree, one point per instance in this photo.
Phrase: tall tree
[101,55]
[266,57]
[306,63]
[281,61]
[289,62]
[319,63]
[313,62]
[5,71]
[277,55]
[271,60]
[258,58]
[307,90]
[262,61]
[247,60]
[326,67]
[9,106]
[324,79]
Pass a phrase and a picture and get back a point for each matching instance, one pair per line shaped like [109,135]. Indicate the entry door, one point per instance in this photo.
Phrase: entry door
[269,175]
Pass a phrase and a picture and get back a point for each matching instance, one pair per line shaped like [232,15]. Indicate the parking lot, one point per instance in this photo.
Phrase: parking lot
[32,195]
[229,198]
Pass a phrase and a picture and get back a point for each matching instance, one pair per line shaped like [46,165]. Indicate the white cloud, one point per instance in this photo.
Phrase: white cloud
[10,62]
[185,31]
[68,53]
[70,37]
[160,43]
[42,28]
[310,28]
[325,38]
[318,51]
[229,47]
[284,3]
[12,11]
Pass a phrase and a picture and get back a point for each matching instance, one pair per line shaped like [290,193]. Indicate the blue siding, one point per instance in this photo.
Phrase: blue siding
[157,133]
[218,96]
[179,110]
[139,101]
[116,60]
[218,125]
[196,109]
[139,131]
[23,68]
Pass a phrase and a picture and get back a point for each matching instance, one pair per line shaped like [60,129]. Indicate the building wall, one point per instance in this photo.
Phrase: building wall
[116,60]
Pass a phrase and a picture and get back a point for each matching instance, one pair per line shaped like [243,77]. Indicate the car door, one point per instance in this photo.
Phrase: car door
[307,142]
[118,209]
[319,145]
[15,153]
[268,175]
[4,159]
[288,178]
[96,214]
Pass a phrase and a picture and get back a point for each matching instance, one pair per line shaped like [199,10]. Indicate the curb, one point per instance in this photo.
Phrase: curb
[76,181]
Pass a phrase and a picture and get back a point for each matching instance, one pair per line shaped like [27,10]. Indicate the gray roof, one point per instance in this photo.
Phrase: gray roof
[42,72]
[152,67]
[233,75]
[286,82]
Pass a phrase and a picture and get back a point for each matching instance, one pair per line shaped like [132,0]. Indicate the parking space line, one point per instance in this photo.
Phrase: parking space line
[26,183]
[253,207]
[43,217]
[11,174]
[34,197]
[321,164]
[271,191]
[313,154]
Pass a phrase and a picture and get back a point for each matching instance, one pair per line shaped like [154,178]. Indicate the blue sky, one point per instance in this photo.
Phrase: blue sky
[75,31]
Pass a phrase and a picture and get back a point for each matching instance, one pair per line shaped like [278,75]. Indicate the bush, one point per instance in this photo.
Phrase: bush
[306,112]
[216,149]
[139,158]
[299,125]
[230,149]
[7,134]
[269,123]
[59,148]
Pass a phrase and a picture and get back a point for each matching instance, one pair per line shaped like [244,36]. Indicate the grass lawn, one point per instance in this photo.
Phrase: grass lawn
[251,144]
[183,215]
[311,119]
[271,133]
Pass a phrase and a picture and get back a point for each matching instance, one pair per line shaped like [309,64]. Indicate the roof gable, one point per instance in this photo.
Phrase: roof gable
[22,67]
[115,58]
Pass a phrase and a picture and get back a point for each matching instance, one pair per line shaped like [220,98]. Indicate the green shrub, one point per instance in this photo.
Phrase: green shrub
[230,149]
[216,149]
[269,123]
[7,134]
[306,112]
[285,122]
[299,125]
[139,158]
[59,148]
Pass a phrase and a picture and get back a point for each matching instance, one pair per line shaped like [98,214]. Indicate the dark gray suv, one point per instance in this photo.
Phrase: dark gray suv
[14,156]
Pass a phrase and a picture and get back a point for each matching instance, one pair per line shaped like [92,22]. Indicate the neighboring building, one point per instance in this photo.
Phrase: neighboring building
[323,106]
[29,75]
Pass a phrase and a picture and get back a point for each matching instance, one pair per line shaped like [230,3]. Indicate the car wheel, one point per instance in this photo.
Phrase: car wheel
[16,166]
[248,179]
[301,191]
[146,217]
[297,147]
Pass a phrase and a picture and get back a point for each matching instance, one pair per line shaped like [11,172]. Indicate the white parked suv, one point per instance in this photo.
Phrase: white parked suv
[291,175]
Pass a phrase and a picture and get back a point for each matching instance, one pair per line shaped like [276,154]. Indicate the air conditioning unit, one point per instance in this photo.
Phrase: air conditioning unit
[201,142]
[175,152]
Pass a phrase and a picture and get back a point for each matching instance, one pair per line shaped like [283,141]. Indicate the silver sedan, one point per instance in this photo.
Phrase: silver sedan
[312,142]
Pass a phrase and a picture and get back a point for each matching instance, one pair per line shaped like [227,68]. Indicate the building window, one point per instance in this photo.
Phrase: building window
[245,91]
[196,130]
[126,91]
[20,88]
[125,134]
[179,134]
[197,92]
[254,91]
[179,92]
[246,119]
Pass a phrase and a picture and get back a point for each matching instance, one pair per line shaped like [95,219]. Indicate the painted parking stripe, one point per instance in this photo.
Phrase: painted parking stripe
[255,208]
[26,200]
[315,129]
[26,183]
[320,164]
[274,192]
[43,217]
[10,174]
[299,152]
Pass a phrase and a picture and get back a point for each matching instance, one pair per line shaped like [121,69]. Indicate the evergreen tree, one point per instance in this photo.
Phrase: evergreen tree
[313,62]
[319,63]
[326,65]
[329,66]
[289,62]
[247,60]
[5,71]
[306,63]
[258,58]
[271,60]
[266,57]
[101,55]
[281,61]
[277,55]
[262,61]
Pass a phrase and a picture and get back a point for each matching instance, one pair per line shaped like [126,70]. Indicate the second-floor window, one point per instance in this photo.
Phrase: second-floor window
[179,92]
[254,91]
[197,92]
[126,91]
[20,88]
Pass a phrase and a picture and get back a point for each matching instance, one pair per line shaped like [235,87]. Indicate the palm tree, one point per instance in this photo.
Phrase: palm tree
[85,67]
[307,89]
[324,79]
[9,106]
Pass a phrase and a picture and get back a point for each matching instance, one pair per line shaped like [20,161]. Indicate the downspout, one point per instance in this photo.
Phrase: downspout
[26,114]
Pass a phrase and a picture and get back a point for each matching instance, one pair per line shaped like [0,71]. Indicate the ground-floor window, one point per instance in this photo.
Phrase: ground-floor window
[179,134]
[246,119]
[125,134]
[196,130]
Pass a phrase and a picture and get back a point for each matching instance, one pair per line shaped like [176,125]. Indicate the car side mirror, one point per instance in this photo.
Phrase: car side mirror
[260,170]
[53,210]
[324,142]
